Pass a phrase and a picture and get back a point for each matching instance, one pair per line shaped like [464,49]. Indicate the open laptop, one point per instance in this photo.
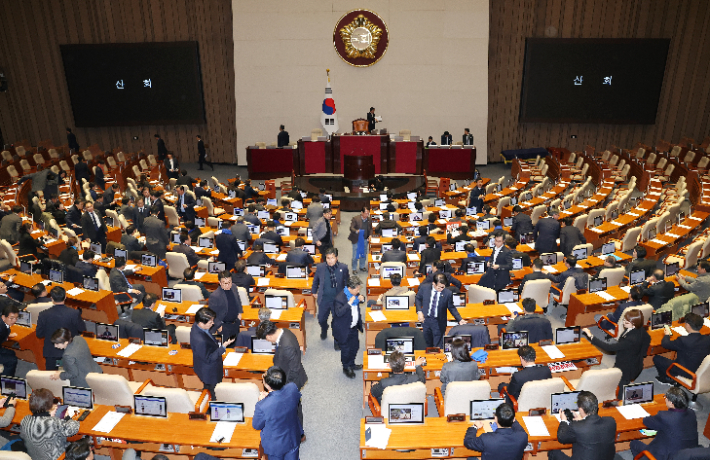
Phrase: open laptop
[459,246]
[387,272]
[527,238]
[483,225]
[664,318]
[397,302]
[216,267]
[155,337]
[270,248]
[226,412]
[549,258]
[16,385]
[474,268]
[598,220]
[296,272]
[410,414]
[511,340]
[672,269]
[404,345]
[95,248]
[264,215]
[256,270]
[517,264]
[637,277]
[638,393]
[609,249]
[389,232]
[172,295]
[107,332]
[565,335]
[151,406]
[24,318]
[580,253]
[507,221]
[57,276]
[90,283]
[290,217]
[561,401]
[262,346]
[276,302]
[310,249]
[386,247]
[596,285]
[199,222]
[472,211]
[416,216]
[204,242]
[78,397]
[485,409]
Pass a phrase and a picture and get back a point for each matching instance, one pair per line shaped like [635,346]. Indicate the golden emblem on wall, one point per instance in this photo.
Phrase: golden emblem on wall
[360,38]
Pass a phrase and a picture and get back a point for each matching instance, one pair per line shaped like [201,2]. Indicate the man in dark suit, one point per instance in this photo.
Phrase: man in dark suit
[240,277]
[396,254]
[270,234]
[162,150]
[441,266]
[39,292]
[657,289]
[581,278]
[347,322]
[547,230]
[431,254]
[522,223]
[536,274]
[397,376]
[157,203]
[677,428]
[570,236]
[329,280]
[140,213]
[227,305]
[85,266]
[282,138]
[537,325]
[467,137]
[109,197]
[130,239]
[10,225]
[206,352]
[157,236]
[497,275]
[257,257]
[94,227]
[229,250]
[189,274]
[147,318]
[430,141]
[512,244]
[185,248]
[185,179]
[202,153]
[432,301]
[202,190]
[387,222]
[446,138]
[8,359]
[185,205]
[118,279]
[371,120]
[475,198]
[57,316]
[172,166]
[81,171]
[530,372]
[71,141]
[592,437]
[690,350]
[70,255]
[298,256]
[508,442]
[323,232]
[74,217]
[639,262]
[10,296]
[276,415]
[99,174]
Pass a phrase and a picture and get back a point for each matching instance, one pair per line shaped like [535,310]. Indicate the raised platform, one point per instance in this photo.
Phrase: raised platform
[356,199]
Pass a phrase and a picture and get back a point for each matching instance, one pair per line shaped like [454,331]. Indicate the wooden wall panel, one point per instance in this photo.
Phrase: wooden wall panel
[684,105]
[37,105]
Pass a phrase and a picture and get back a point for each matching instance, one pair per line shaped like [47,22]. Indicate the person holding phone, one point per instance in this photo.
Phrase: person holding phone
[206,352]
[507,441]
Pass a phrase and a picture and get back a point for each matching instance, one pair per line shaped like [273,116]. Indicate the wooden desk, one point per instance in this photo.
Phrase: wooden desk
[154,279]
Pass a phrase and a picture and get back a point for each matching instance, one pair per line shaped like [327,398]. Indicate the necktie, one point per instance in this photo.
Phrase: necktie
[94,218]
[434,302]
[182,202]
[141,210]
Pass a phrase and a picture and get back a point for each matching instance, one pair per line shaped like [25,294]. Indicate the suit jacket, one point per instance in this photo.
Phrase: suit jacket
[397,379]
[323,232]
[458,371]
[502,444]
[119,280]
[186,180]
[547,231]
[145,317]
[277,418]
[370,121]
[273,236]
[387,223]
[537,325]
[446,302]
[192,257]
[54,318]
[300,257]
[157,236]
[416,333]
[10,228]
[69,256]
[314,211]
[188,214]
[226,318]
[206,356]
[592,438]
[77,362]
[356,224]
[395,255]
[468,139]
[648,266]
[446,140]
[86,268]
[90,230]
[139,217]
[259,258]
[500,278]
[229,250]
[429,256]
[162,150]
[158,203]
[631,349]
[581,278]
[202,192]
[658,293]
[690,350]
[172,165]
[74,218]
[449,280]
[241,232]
[131,243]
[288,358]
[282,139]
[99,177]
[677,429]
[535,276]
[528,374]
[343,317]
[522,223]
[244,280]
[570,237]
[699,286]
[71,142]
[322,275]
[28,245]
[81,171]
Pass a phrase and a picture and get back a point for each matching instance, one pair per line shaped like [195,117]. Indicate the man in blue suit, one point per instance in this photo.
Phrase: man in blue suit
[229,250]
[276,415]
[432,301]
[507,442]
[56,317]
[347,321]
[497,274]
[206,352]
[330,280]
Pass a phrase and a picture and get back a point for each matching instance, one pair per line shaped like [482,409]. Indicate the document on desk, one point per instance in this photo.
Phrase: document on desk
[130,267]
[374,282]
[657,241]
[695,218]
[75,291]
[672,235]
[223,431]
[532,246]
[215,252]
[281,257]
[194,309]
[412,257]
[262,282]
[513,307]
[596,230]
[632,411]
[685,227]
[626,289]
[535,426]
[680,330]
[233,358]
[108,422]
[276,314]
[376,362]
[506,370]
[160,309]
[618,224]
[706,322]
[377,316]
[374,240]
[377,435]
[549,269]
[553,352]
[606,296]
[199,275]
[129,350]
[413,281]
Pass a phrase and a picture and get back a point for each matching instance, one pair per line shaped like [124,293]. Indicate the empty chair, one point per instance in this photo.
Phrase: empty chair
[538,290]
[111,162]
[25,165]
[614,276]
[459,395]
[87,155]
[628,242]
[112,389]
[246,393]
[6,155]
[39,159]
[594,213]
[537,393]
[211,209]
[121,157]
[562,297]
[398,394]
[104,284]
[697,383]
[41,379]
[36,308]
[177,263]
[477,294]
[602,382]
[290,302]
[189,293]
[182,334]
[580,222]
[537,212]
[180,400]
[172,216]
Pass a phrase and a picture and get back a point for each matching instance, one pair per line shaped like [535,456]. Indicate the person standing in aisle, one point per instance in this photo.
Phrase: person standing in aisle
[203,153]
[329,280]
[360,231]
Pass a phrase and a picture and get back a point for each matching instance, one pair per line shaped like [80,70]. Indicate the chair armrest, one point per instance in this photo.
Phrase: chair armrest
[556,289]
[301,304]
[142,387]
[695,377]
[255,299]
[616,326]
[439,401]
[512,398]
[374,406]
[201,400]
[645,454]
[567,382]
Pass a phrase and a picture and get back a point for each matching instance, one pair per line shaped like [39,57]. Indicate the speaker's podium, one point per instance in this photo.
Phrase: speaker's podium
[358,170]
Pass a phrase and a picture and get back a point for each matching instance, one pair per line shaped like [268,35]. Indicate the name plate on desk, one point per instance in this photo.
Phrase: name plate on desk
[400,325]
[307,292]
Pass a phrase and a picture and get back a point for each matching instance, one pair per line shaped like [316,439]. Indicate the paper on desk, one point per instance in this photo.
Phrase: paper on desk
[199,275]
[706,322]
[129,350]
[535,426]
[196,248]
[672,235]
[47,282]
[75,291]
[565,212]
[377,316]
[161,308]
[215,252]
[281,257]
[513,307]
[680,330]
[685,227]
[549,268]
[276,314]
[695,218]
[626,289]
[413,281]
[632,411]
[596,230]
[379,435]
[657,241]
[606,296]
[262,282]
[618,224]
[376,362]
[233,358]
[412,257]
[532,246]
[506,370]
[108,422]
[130,267]
[194,308]
[374,240]
[373,282]
[553,352]
[223,431]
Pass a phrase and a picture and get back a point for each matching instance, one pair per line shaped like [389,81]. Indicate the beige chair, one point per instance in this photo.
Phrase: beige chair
[179,400]
[112,389]
[280,293]
[246,393]
[172,216]
[121,157]
[614,276]
[36,308]
[398,394]
[477,294]
[25,165]
[104,283]
[542,175]
[41,379]
[136,171]
[562,297]
[87,155]
[406,134]
[144,165]
[393,264]
[689,259]
[75,159]
[6,155]
[182,334]
[537,212]
[689,157]
[11,455]
[244,295]
[177,263]
[537,394]
[111,162]
[503,202]
[189,293]
[580,222]
[10,253]
[459,395]
[39,159]
[261,145]
[618,330]
[211,209]
[602,382]
[629,241]
[594,213]
[650,224]
[152,160]
[538,290]
[698,383]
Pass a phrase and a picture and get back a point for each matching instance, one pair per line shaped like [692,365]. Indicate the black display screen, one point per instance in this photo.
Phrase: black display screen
[122,84]
[592,80]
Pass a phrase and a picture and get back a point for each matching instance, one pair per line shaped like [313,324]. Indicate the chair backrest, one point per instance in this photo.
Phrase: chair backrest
[538,290]
[703,377]
[402,394]
[281,293]
[459,395]
[477,294]
[606,155]
[189,293]
[110,389]
[25,165]
[207,203]
[87,155]
[392,264]
[703,163]
[152,160]
[614,276]
[640,153]
[143,164]
[648,226]
[246,393]
[176,399]
[6,155]
[177,263]
[537,393]
[111,162]
[691,257]
[36,308]
[39,159]
[136,171]
[593,214]
[567,290]
[12,171]
[172,216]
[662,163]
[104,283]
[41,379]
[537,212]
[614,160]
[182,334]
[9,253]
[630,239]
[11,455]
[645,309]
[601,382]
[244,296]
[121,157]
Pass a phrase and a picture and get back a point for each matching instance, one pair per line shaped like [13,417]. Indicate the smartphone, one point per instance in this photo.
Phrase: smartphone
[569,415]
[9,399]
[668,329]
[83,415]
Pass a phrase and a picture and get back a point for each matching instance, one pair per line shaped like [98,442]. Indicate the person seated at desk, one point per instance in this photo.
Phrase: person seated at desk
[74,217]
[699,286]
[285,205]
[592,437]
[130,239]
[118,279]
[387,223]
[690,350]
[581,278]
[86,266]
[250,215]
[260,203]
[421,239]
[537,325]
[508,442]
[240,277]
[433,228]
[570,236]
[194,232]
[443,267]
[297,256]
[76,359]
[45,435]
[185,247]
[395,254]
[397,375]
[8,359]
[488,213]
[40,294]
[244,337]
[189,274]
[475,197]
[467,137]
[185,179]
[395,290]
[28,245]
[471,256]
[11,296]
[459,215]
[609,262]
[657,289]
[461,369]
[240,230]
[512,244]
[147,318]
[462,236]
[270,234]
[430,141]
[530,372]
[56,209]
[257,257]
[70,254]
[677,428]
[537,274]
[522,223]
[428,256]
[639,262]
[203,190]
[635,300]
[446,138]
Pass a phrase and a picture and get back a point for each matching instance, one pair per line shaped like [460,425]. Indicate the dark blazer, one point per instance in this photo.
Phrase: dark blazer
[187,181]
[570,237]
[690,350]
[547,231]
[370,121]
[273,236]
[28,245]
[592,438]
[528,374]
[10,228]
[500,278]
[188,214]
[140,216]
[356,224]
[259,258]
[397,379]
[446,140]
[71,142]
[677,429]
[162,150]
[538,326]
[226,318]
[581,278]
[77,362]
[446,302]
[322,275]
[244,280]
[449,280]
[298,256]
[282,139]
[229,250]
[54,318]
[241,232]
[522,223]
[288,358]
[631,349]
[69,256]
[157,236]
[131,243]
[74,218]
[277,418]
[87,268]
[502,444]
[81,171]
[99,177]
[90,230]
[658,293]
[206,356]
[394,255]
[192,257]
[647,265]
[201,192]
[145,317]
[342,317]
[468,139]
[429,256]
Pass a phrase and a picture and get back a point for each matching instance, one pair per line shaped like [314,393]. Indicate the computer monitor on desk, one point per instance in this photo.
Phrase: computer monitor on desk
[149,260]
[262,346]
[107,332]
[10,385]
[151,406]
[397,302]
[387,272]
[155,337]
[95,248]
[638,393]
[78,397]
[580,253]
[409,414]
[672,269]
[226,412]
[276,302]
[511,340]
[637,277]
[702,309]
[596,285]
[120,253]
[216,267]
[24,318]
[664,318]
[485,409]
[91,283]
[172,295]
[564,335]
[56,276]
[404,345]
[561,401]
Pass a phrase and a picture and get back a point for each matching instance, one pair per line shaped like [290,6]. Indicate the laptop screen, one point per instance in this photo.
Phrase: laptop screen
[262,346]
[638,393]
[444,213]
[608,248]
[290,217]
[274,302]
[597,285]
[702,309]
[199,222]
[386,247]
[56,275]
[404,345]
[412,413]
[155,337]
[270,248]
[238,211]
[449,339]
[204,242]
[310,249]
[399,302]
[256,270]
[561,401]
[172,295]
[226,412]
[517,264]
[92,284]
[475,268]
[242,245]
[637,277]
[527,238]
[263,215]
[107,332]
[416,216]
[507,221]
[26,267]
[77,397]
[485,409]
[153,406]
[580,253]
[295,204]
[514,339]
[549,258]
[9,385]
[296,272]
[389,271]
[95,248]
[664,318]
[383,206]
[507,296]
[672,269]
[176,237]
[122,253]
[459,246]
[24,318]
[149,260]
[460,300]
[565,335]
[389,232]
[483,225]
[598,221]
[216,267]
